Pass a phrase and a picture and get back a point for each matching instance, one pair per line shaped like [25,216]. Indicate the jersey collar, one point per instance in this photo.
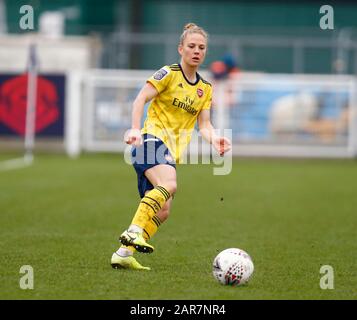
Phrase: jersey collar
[190,83]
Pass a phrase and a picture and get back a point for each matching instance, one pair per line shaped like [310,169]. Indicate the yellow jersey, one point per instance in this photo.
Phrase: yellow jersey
[172,114]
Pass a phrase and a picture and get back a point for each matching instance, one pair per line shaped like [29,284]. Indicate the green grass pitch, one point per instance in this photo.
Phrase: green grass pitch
[63,217]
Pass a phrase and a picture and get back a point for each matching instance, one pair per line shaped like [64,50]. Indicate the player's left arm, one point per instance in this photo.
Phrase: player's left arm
[221,144]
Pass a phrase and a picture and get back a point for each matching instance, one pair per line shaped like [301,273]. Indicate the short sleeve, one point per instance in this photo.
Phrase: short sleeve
[208,102]
[161,78]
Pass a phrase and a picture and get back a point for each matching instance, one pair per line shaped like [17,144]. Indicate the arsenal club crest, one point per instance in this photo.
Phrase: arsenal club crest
[199,92]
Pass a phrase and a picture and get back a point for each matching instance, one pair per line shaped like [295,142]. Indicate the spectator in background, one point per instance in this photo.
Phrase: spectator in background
[222,70]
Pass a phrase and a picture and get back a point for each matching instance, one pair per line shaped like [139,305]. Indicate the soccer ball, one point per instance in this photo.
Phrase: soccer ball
[233,267]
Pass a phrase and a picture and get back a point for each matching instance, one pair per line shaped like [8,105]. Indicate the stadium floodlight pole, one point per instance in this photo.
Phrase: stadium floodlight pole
[31,104]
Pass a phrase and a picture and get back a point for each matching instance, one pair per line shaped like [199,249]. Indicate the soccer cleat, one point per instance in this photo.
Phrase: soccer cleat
[129,262]
[136,240]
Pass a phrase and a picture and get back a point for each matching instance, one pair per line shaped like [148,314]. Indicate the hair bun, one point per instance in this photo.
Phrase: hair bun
[189,26]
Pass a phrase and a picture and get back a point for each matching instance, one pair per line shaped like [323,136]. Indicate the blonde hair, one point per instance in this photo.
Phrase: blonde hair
[190,28]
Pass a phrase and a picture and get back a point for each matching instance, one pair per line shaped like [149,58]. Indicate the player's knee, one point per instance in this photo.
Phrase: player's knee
[171,186]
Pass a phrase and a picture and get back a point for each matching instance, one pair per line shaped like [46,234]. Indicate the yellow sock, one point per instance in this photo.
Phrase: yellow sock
[151,227]
[152,203]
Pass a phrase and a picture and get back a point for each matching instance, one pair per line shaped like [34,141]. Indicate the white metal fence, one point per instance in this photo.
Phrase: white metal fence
[268,115]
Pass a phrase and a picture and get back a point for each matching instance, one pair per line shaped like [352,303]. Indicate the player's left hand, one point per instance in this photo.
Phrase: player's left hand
[222,145]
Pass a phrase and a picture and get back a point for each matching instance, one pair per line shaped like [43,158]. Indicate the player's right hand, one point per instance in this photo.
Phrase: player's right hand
[133,137]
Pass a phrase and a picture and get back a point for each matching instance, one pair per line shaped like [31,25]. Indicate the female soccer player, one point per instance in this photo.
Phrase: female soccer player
[179,96]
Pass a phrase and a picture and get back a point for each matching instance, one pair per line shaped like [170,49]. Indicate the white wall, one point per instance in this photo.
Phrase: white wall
[54,55]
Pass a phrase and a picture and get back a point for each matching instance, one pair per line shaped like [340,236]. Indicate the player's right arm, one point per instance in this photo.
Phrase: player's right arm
[147,93]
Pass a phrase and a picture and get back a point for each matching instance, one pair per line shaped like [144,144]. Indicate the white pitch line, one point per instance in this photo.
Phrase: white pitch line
[15,164]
